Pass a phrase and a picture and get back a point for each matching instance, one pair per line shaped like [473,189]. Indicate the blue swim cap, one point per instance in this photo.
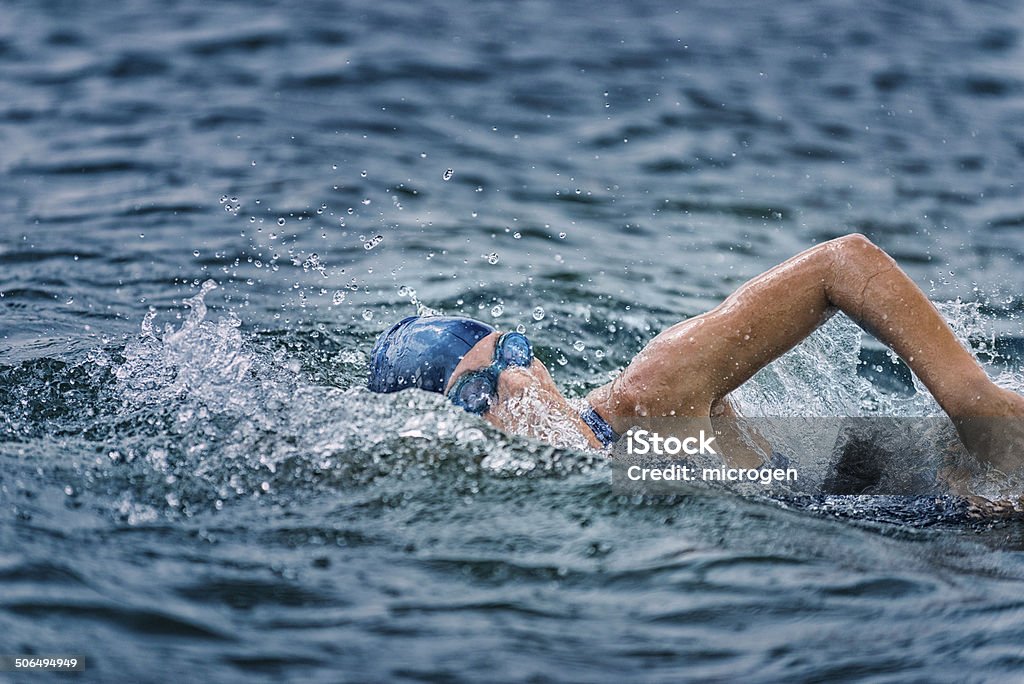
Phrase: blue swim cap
[422,351]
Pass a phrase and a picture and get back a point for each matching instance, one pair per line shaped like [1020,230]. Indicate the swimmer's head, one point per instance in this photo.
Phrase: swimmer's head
[422,351]
[436,352]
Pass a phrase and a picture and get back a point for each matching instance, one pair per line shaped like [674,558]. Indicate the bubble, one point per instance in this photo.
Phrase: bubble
[538,313]
[448,173]
[497,310]
[492,258]
[367,315]
[578,345]
[280,220]
[313,263]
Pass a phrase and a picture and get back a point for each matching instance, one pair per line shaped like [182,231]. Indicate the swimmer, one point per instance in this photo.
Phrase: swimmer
[689,369]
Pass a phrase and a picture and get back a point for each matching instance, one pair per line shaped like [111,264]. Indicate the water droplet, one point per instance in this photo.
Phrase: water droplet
[373,242]
[561,236]
[520,328]
[448,173]
[561,360]
[492,258]
[599,353]
[497,310]
[280,221]
[538,313]
[367,315]
[517,235]
[363,173]
[578,345]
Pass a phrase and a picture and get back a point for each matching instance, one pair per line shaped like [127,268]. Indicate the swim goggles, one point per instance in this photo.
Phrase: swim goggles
[475,389]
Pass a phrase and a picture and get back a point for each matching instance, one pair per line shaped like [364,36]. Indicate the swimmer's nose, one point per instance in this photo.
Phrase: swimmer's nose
[514,376]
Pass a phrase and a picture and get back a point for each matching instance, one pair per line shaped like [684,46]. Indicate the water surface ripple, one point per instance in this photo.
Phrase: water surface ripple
[210,209]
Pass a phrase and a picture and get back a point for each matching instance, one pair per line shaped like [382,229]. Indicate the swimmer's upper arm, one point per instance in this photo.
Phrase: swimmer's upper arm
[701,360]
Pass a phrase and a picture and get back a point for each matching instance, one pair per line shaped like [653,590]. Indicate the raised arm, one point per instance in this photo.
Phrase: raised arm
[688,367]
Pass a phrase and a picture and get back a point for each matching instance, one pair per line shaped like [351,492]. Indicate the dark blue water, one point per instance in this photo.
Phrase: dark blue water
[196,486]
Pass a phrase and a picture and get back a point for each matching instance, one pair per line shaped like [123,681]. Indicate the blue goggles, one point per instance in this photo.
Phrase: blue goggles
[475,390]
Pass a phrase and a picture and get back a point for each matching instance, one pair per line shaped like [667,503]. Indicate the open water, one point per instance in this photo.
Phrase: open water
[210,210]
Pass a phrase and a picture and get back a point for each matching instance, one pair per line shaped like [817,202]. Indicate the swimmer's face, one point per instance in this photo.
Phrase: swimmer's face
[513,382]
